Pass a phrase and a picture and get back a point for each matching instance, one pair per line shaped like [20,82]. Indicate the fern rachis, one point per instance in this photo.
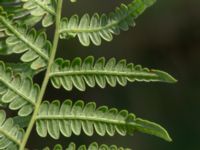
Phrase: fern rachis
[18,92]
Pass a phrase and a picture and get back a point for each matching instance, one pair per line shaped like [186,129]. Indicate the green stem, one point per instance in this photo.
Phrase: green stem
[46,78]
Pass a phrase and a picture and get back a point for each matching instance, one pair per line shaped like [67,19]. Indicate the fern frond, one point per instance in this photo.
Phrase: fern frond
[102,27]
[79,74]
[92,146]
[10,134]
[35,46]
[42,8]
[20,93]
[69,118]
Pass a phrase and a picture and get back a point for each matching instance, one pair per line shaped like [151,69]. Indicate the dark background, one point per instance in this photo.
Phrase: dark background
[167,37]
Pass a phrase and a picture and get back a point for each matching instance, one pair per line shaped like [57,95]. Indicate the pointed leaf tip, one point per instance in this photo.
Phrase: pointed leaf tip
[152,129]
[164,76]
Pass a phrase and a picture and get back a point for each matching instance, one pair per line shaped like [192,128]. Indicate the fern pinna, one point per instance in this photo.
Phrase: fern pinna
[18,35]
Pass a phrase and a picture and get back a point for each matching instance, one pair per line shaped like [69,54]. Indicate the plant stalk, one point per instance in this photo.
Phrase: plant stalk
[46,78]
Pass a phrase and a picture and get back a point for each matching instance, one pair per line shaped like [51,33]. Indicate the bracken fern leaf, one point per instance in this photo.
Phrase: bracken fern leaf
[69,118]
[102,27]
[79,74]
[18,23]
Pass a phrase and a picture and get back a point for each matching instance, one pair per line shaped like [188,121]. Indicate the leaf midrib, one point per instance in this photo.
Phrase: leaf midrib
[86,118]
[102,72]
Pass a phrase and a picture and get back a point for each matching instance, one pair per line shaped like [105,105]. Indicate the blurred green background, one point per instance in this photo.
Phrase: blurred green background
[167,37]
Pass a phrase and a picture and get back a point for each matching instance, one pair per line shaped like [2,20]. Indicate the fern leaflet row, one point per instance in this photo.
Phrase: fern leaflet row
[69,118]
[102,27]
[79,74]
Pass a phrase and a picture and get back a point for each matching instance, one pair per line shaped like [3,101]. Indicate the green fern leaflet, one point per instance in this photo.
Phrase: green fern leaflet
[103,26]
[80,73]
[69,118]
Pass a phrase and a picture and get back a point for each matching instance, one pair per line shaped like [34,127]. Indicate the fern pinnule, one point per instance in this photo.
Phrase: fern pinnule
[78,73]
[102,27]
[69,118]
